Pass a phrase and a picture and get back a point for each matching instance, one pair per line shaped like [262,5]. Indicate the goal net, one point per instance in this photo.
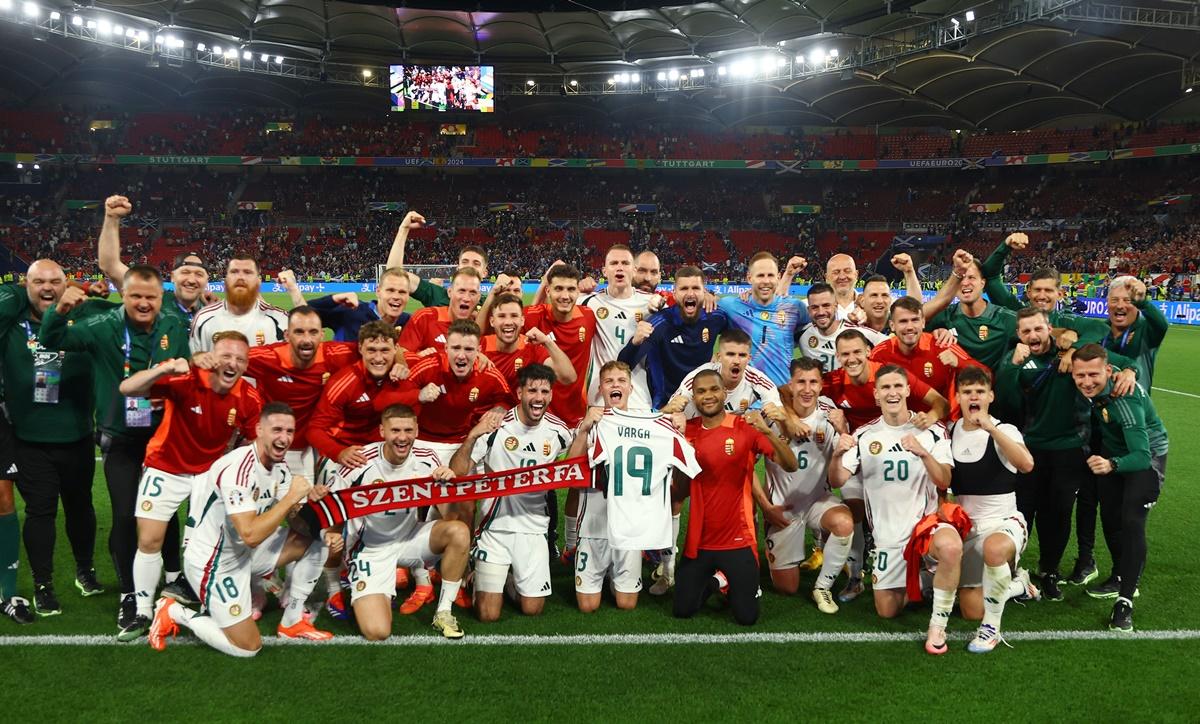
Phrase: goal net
[424,271]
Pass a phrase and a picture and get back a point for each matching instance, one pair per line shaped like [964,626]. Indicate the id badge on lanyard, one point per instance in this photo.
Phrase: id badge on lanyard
[47,370]
[138,410]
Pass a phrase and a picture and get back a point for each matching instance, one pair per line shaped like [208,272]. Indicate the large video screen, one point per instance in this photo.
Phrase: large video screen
[443,88]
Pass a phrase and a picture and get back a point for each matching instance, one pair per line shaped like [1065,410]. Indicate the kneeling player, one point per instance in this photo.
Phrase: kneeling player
[236,516]
[379,543]
[802,498]
[512,529]
[988,454]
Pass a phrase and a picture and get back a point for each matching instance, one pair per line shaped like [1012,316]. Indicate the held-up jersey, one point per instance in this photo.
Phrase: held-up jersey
[515,445]
[237,483]
[896,487]
[378,529]
[821,347]
[754,391]
[263,324]
[809,483]
[616,322]
[639,453]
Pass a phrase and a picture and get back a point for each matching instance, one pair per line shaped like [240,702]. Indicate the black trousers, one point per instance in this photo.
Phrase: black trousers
[1125,502]
[1046,496]
[694,583]
[122,472]
[1085,510]
[46,473]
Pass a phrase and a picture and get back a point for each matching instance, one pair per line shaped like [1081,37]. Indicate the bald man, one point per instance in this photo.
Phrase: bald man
[49,398]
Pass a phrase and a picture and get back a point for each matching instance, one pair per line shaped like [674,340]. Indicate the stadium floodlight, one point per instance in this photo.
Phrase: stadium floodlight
[264,58]
[699,73]
[20,166]
[780,62]
[247,55]
[31,10]
[970,16]
[159,40]
[672,74]
[37,167]
[366,72]
[721,70]
[118,30]
[279,59]
[91,24]
[217,50]
[104,27]
[833,52]
[1189,90]
[661,75]
[131,33]
[5,4]
[531,82]
[817,56]
[574,83]
[55,15]
[76,20]
[230,53]
[143,36]
[683,77]
[201,47]
[954,22]
[635,77]
[623,78]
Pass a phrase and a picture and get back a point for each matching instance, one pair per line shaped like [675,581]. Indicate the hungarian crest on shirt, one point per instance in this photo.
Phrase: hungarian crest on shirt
[260,338]
[929,369]
[518,363]
[983,332]
[704,335]
[164,343]
[729,446]
[602,313]
[875,448]
[510,443]
[582,334]
[231,418]
[812,342]
[473,394]
[1104,413]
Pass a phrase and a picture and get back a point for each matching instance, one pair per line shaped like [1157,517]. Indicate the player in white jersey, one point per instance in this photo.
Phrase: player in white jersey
[818,340]
[636,453]
[618,308]
[243,310]
[511,533]
[803,497]
[901,467]
[236,517]
[746,388]
[379,543]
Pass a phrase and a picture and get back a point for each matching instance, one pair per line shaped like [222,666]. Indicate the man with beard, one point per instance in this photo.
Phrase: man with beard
[1130,473]
[647,272]
[243,310]
[901,466]
[876,303]
[817,341]
[512,532]
[204,409]
[722,545]
[428,327]
[511,351]
[983,328]
[676,340]
[1036,379]
[238,512]
[344,314]
[49,445]
[121,342]
[618,309]
[770,319]
[189,277]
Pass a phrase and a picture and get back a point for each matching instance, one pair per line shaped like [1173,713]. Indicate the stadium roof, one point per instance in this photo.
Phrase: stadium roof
[1053,71]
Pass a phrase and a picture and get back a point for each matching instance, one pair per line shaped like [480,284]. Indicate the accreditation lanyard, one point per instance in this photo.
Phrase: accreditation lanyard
[138,410]
[47,369]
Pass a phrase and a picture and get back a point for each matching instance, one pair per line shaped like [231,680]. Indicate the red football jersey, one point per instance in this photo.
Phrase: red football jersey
[426,328]
[461,403]
[924,364]
[346,415]
[278,379]
[198,423]
[721,512]
[508,364]
[574,338]
[858,401]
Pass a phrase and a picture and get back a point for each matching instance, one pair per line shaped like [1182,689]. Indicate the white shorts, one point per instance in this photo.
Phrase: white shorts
[302,462]
[160,494]
[526,553]
[785,547]
[888,567]
[972,560]
[852,489]
[372,569]
[595,560]
[223,582]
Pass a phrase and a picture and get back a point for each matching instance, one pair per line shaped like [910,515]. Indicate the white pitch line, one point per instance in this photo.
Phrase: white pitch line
[638,639]
[1176,392]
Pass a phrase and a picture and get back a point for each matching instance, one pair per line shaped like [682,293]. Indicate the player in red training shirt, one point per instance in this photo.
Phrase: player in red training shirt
[204,410]
[295,371]
[916,351]
[510,350]
[427,328]
[572,327]
[722,548]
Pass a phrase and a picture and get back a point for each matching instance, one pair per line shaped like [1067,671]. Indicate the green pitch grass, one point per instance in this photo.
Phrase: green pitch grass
[1072,679]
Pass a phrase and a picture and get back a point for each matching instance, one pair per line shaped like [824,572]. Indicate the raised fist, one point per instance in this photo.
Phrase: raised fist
[117,207]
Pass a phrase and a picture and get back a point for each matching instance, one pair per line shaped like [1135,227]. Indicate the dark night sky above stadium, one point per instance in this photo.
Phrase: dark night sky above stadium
[526,6]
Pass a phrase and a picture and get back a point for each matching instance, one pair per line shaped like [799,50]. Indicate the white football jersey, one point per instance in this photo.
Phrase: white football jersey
[754,391]
[639,453]
[616,322]
[264,324]
[390,526]
[515,445]
[808,483]
[821,347]
[896,487]
[236,483]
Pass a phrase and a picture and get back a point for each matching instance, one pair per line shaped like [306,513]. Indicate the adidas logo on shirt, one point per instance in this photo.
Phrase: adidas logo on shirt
[197,410]
[286,378]
[440,338]
[678,340]
[620,315]
[1031,365]
[529,448]
[897,448]
[364,398]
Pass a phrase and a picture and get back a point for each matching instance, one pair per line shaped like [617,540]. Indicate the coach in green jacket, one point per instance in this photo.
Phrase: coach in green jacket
[123,341]
[1130,473]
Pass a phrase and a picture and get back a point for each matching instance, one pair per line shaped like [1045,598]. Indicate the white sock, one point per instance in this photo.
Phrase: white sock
[207,631]
[857,548]
[421,576]
[447,595]
[1016,588]
[668,555]
[943,604]
[147,568]
[837,551]
[303,578]
[171,576]
[571,525]
[333,581]
[996,584]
